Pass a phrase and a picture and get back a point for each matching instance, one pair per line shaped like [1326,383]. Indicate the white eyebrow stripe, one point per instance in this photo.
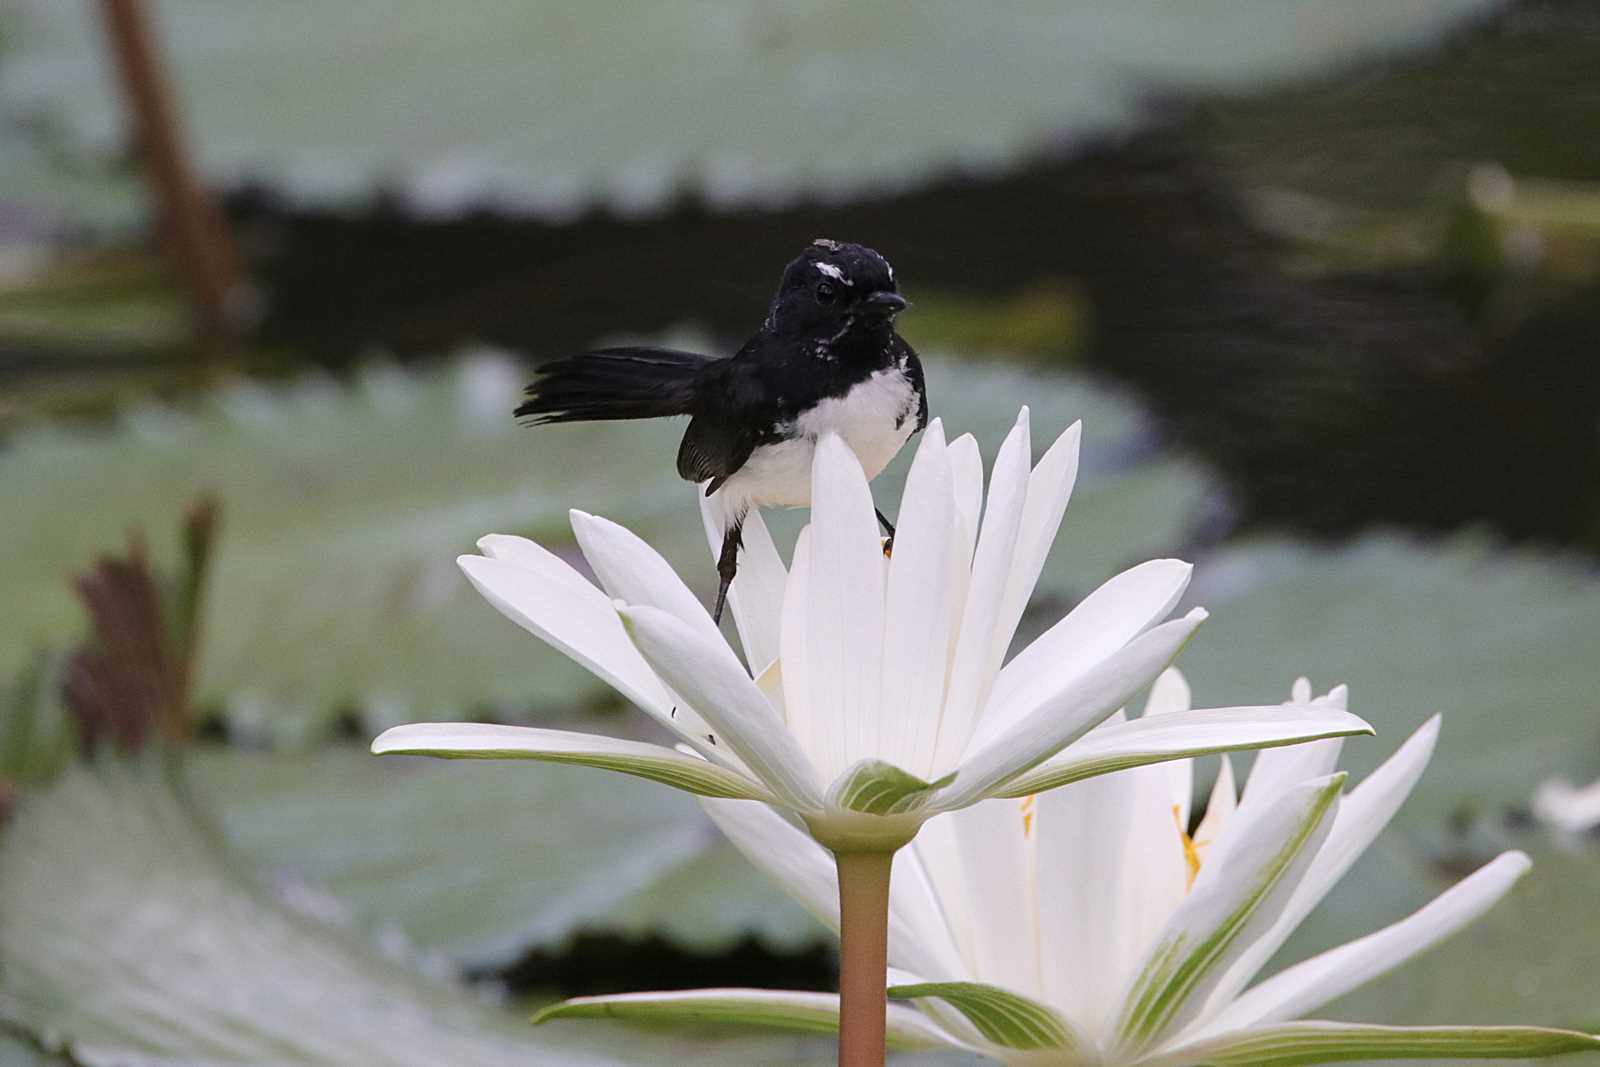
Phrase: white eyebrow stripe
[833,272]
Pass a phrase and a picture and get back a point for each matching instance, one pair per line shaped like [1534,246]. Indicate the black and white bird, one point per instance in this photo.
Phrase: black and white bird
[826,359]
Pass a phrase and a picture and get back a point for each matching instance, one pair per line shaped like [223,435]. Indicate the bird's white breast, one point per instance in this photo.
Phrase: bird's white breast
[875,417]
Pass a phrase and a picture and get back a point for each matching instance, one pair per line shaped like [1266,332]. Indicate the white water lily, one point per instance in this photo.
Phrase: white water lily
[873,694]
[1086,926]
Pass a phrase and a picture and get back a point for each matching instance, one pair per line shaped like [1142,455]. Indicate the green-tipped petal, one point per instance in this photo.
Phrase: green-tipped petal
[470,740]
[1303,1043]
[1005,1019]
[813,1012]
[1157,739]
[1236,898]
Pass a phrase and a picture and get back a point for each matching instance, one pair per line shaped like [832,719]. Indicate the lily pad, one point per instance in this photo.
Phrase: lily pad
[551,106]
[335,587]
[483,861]
[129,936]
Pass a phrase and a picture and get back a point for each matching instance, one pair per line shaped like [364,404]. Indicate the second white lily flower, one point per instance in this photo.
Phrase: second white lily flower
[1087,928]
[874,693]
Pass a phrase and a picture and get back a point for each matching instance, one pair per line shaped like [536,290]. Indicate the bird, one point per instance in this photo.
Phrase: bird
[826,359]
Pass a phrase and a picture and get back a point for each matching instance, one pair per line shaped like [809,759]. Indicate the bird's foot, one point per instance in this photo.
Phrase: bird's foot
[727,568]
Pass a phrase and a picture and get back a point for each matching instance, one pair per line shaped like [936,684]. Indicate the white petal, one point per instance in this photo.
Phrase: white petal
[966,476]
[1362,817]
[918,937]
[1066,714]
[470,740]
[550,600]
[813,1012]
[966,470]
[710,677]
[534,557]
[756,595]
[1235,898]
[845,605]
[1273,772]
[943,865]
[1277,771]
[1307,986]
[784,853]
[1219,811]
[978,649]
[918,616]
[1170,693]
[795,653]
[997,862]
[1103,622]
[1121,745]
[1111,872]
[770,682]
[921,938]
[1049,489]
[633,572]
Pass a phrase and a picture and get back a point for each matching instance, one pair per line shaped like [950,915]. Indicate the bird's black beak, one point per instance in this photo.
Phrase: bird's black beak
[884,303]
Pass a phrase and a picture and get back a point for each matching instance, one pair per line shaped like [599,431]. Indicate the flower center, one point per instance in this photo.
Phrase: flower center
[1029,803]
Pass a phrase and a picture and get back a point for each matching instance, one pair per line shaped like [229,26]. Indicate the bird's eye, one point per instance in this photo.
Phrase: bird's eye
[825,293]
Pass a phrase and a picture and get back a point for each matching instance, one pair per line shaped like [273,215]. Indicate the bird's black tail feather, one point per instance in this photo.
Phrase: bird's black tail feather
[614,383]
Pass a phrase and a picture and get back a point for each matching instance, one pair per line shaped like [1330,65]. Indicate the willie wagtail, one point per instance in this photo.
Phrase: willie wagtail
[826,359]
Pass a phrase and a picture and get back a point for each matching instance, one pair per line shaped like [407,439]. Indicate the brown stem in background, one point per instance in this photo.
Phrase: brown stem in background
[199,241]
[132,675]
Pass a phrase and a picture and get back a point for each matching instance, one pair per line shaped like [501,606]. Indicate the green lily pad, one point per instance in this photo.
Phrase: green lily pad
[548,107]
[335,586]
[483,861]
[129,936]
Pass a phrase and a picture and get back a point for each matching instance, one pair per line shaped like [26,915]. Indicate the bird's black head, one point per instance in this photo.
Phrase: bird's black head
[834,290]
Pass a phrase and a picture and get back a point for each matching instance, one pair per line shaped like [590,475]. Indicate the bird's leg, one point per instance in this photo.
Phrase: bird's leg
[888,528]
[727,565]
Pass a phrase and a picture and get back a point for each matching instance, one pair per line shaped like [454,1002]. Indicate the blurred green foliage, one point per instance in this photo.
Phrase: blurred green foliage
[335,590]
[759,104]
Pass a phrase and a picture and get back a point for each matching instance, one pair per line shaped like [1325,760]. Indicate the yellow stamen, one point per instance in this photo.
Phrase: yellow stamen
[1191,853]
[1028,804]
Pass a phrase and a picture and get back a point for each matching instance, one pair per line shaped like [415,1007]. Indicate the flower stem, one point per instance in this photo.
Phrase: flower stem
[863,956]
